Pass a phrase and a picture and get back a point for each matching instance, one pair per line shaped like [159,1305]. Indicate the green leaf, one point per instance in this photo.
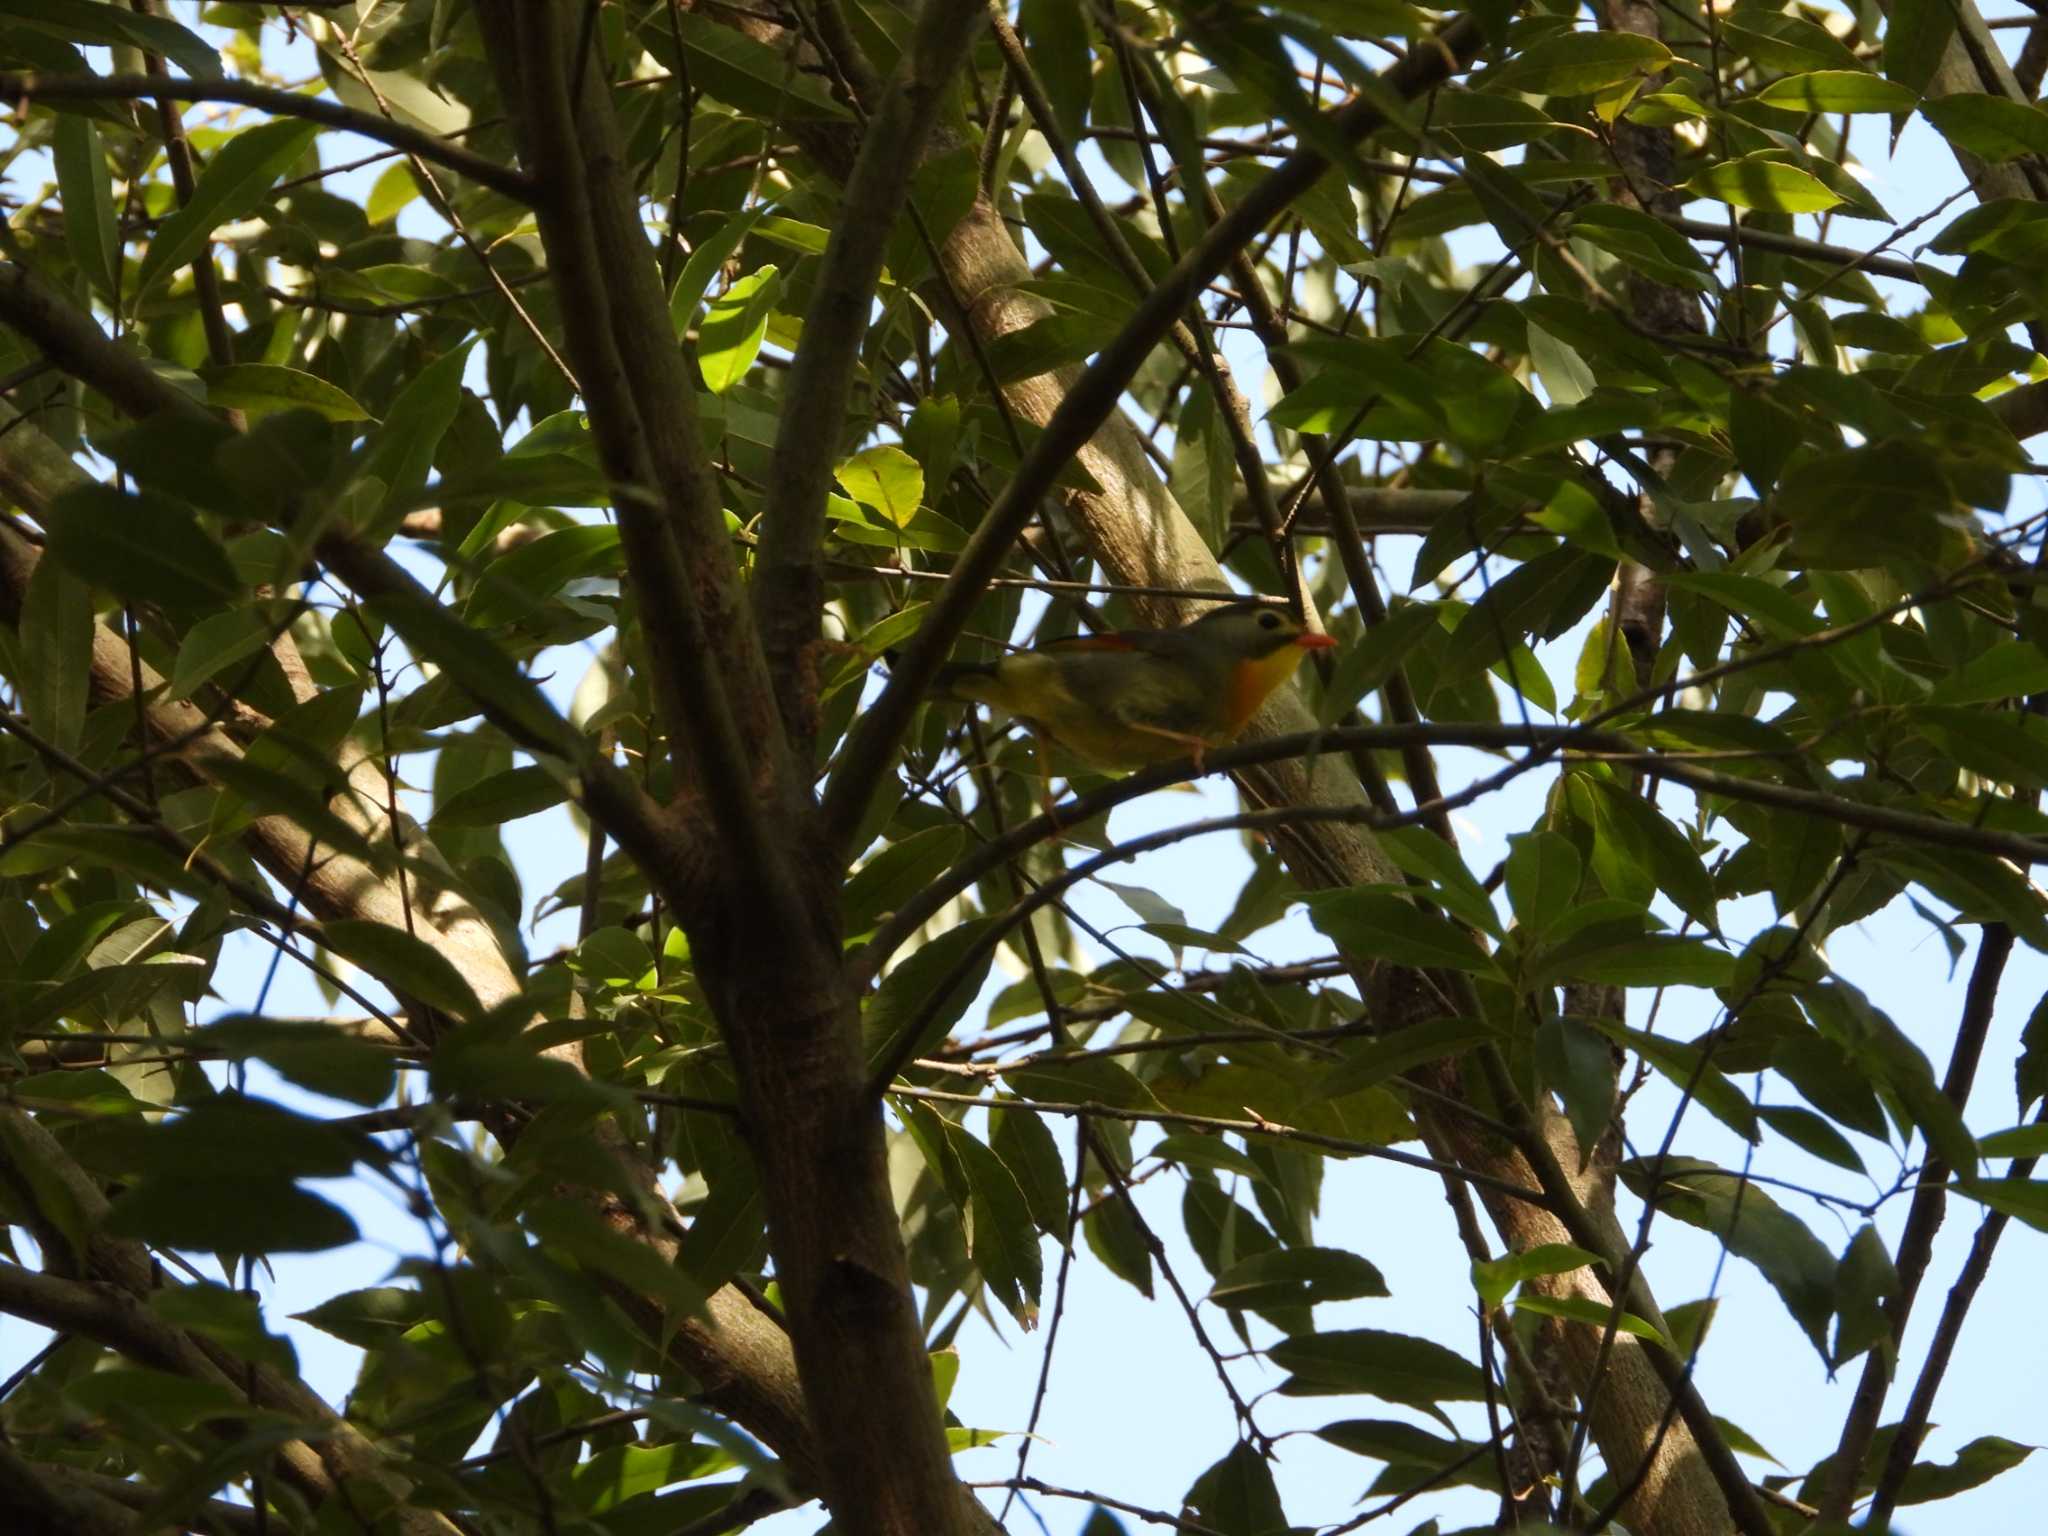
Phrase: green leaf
[1974,1465]
[1665,851]
[316,1057]
[897,873]
[1993,128]
[1691,1070]
[90,227]
[727,1229]
[228,1212]
[409,966]
[1424,855]
[1238,1497]
[1578,1064]
[1114,1238]
[1020,1138]
[394,189]
[1494,1278]
[1593,1314]
[1839,90]
[1366,663]
[235,183]
[908,991]
[114,26]
[734,327]
[1391,1441]
[1768,185]
[475,663]
[1915,38]
[1544,872]
[1539,599]
[706,261]
[518,583]
[1754,1226]
[1047,344]
[747,74]
[263,389]
[885,478]
[2012,669]
[1376,923]
[1792,44]
[503,797]
[2005,748]
[1393,1366]
[1056,42]
[1579,63]
[1002,1238]
[227,1131]
[1399,1051]
[1094,1080]
[233,1318]
[56,653]
[2023,1199]
[369,1319]
[577,1230]
[216,643]
[1976,884]
[1808,1131]
[1288,1277]
[1865,1283]
[1639,960]
[143,547]
[169,1404]
[401,451]
[2030,1140]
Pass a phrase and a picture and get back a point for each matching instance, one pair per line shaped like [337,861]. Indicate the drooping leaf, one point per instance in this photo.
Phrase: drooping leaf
[1296,1277]
[1754,1226]
[409,965]
[233,185]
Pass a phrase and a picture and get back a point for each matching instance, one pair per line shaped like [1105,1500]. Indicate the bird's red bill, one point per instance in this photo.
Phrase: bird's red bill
[1315,642]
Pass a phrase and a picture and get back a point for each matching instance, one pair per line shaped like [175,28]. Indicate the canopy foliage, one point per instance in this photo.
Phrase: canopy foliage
[427,422]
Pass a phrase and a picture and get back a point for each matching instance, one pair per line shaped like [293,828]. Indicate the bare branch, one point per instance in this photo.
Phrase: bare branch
[21,90]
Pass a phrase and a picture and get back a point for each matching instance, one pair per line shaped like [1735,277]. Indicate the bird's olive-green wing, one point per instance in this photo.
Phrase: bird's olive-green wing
[1145,686]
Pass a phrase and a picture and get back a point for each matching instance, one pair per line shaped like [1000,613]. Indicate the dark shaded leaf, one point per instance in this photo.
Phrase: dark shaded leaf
[225,1212]
[1754,1226]
[143,547]
[1378,923]
[410,966]
[1284,1277]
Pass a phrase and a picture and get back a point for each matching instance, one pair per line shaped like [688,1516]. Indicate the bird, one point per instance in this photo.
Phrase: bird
[1129,698]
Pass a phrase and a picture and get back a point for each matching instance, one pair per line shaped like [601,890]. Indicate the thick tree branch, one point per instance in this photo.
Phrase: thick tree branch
[789,587]
[710,678]
[20,90]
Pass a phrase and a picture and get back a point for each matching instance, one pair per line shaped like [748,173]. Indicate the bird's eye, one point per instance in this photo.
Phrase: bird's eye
[1269,620]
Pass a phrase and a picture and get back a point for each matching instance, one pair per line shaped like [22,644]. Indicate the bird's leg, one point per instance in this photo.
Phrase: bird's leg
[1196,745]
